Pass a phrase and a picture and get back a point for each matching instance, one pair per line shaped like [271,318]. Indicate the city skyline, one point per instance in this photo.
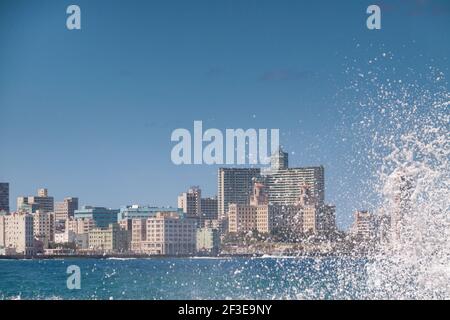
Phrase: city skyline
[89,113]
[234,184]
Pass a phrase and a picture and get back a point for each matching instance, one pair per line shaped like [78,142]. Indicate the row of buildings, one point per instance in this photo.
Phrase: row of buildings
[164,233]
[285,203]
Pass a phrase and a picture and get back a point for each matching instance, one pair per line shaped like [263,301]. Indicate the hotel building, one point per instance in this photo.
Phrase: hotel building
[283,183]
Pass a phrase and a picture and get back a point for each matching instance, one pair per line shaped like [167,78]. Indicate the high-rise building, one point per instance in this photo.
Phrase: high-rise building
[42,202]
[284,184]
[209,208]
[235,186]
[279,160]
[190,201]
[66,209]
[16,233]
[4,196]
[101,216]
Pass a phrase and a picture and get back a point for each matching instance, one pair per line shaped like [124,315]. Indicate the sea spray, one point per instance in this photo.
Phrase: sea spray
[403,120]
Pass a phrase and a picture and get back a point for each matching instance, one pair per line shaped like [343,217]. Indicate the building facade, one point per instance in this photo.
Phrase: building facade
[44,227]
[42,202]
[138,234]
[112,239]
[190,202]
[210,209]
[143,212]
[101,216]
[208,241]
[319,220]
[246,218]
[169,233]
[79,225]
[364,225]
[234,186]
[4,197]
[66,208]
[284,184]
[16,233]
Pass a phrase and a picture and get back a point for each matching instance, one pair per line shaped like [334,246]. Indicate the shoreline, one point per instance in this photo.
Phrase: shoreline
[113,256]
[141,256]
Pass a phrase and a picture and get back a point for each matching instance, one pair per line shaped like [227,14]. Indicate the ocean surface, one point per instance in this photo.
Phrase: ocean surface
[186,278]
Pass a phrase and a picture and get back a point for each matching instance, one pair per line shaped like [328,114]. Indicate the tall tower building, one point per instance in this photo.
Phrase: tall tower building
[209,209]
[284,184]
[190,202]
[279,160]
[235,186]
[4,196]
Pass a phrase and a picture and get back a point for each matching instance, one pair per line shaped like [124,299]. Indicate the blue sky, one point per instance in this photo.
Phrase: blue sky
[89,113]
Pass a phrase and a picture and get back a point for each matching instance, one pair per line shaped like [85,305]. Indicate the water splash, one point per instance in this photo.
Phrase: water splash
[403,120]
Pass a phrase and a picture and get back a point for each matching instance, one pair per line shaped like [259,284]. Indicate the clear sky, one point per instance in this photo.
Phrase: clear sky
[89,113]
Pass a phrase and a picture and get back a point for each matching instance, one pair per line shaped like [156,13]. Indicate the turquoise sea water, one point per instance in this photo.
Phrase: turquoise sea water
[186,278]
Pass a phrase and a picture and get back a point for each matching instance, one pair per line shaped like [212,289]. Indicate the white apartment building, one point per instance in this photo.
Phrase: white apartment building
[170,233]
[16,233]
[44,227]
[80,225]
